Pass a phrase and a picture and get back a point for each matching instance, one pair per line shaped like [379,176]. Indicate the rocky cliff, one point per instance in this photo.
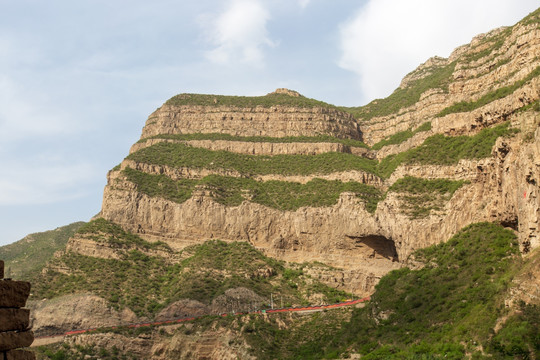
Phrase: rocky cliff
[356,190]
[491,81]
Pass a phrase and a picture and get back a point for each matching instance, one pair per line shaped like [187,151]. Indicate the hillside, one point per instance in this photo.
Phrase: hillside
[428,199]
[29,255]
[447,309]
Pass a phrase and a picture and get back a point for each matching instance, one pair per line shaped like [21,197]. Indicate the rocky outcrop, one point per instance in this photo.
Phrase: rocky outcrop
[15,332]
[87,245]
[80,311]
[275,121]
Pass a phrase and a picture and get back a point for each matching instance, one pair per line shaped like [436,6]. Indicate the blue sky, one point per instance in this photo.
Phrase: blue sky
[79,78]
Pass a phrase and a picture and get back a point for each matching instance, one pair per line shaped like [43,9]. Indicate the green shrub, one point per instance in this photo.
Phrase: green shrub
[401,136]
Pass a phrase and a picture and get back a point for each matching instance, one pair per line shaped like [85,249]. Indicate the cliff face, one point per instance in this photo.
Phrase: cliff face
[275,121]
[492,80]
[492,61]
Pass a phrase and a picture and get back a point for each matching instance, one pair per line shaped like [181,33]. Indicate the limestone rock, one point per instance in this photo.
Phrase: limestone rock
[81,311]
[182,309]
[277,121]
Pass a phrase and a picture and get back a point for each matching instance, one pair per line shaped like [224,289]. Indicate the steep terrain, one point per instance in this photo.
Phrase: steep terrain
[290,175]
[226,200]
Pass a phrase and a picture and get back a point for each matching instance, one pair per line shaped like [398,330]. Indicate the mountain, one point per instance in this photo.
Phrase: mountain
[428,200]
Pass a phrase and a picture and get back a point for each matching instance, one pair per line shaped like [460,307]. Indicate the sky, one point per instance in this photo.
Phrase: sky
[79,78]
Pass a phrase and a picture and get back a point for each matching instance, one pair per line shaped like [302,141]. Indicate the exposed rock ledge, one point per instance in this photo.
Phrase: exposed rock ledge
[261,148]
[276,121]
[81,311]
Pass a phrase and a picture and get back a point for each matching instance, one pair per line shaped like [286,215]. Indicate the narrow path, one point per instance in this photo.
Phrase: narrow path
[50,339]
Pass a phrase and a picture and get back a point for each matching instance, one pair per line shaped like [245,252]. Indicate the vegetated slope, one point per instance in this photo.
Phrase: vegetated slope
[147,277]
[447,309]
[452,307]
[29,255]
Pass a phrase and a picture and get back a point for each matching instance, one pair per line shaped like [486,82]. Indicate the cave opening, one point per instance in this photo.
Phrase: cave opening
[378,246]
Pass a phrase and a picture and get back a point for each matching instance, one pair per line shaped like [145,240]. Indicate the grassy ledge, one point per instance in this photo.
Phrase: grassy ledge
[181,155]
[230,191]
[446,150]
[269,100]
[465,106]
[421,196]
[262,139]
[435,150]
[104,231]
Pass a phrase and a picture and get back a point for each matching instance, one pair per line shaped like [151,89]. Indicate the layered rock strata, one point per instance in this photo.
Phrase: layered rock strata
[14,319]
[491,61]
[275,121]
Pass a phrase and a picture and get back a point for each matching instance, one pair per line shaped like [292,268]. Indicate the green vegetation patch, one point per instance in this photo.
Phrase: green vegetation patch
[446,150]
[401,136]
[439,78]
[495,43]
[445,310]
[520,334]
[263,139]
[181,155]
[465,106]
[230,191]
[27,257]
[101,230]
[146,284]
[269,100]
[71,351]
[421,196]
[435,150]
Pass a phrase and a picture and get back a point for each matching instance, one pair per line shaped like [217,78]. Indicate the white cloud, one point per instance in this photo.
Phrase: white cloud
[387,39]
[239,33]
[303,3]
